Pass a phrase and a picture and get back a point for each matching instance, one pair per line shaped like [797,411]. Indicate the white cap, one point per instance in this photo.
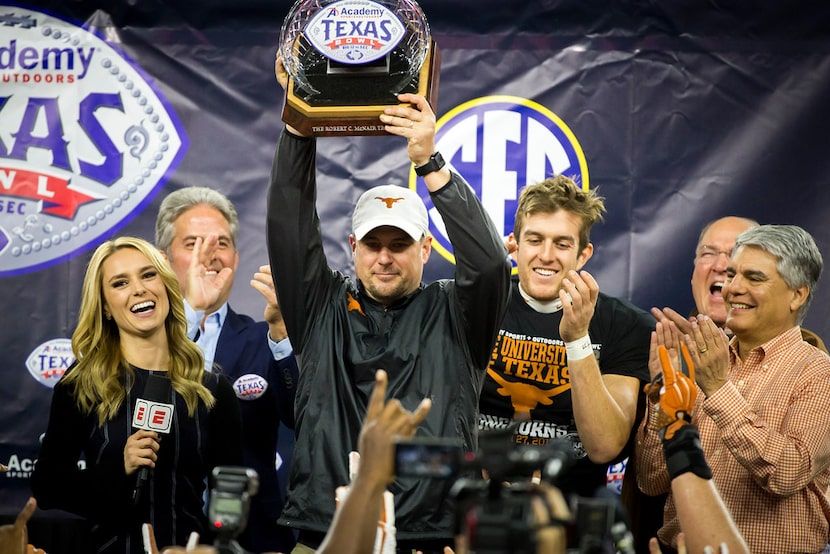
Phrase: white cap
[390,205]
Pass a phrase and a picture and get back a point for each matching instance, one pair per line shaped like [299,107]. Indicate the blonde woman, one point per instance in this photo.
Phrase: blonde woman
[132,324]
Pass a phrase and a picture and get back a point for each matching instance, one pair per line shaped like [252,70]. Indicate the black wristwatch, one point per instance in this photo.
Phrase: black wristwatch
[436,162]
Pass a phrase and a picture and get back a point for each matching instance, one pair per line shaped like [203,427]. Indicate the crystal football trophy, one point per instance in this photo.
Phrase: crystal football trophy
[349,59]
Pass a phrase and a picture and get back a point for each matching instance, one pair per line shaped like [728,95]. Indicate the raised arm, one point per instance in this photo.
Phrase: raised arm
[295,245]
[703,516]
[652,477]
[355,523]
[482,275]
[605,404]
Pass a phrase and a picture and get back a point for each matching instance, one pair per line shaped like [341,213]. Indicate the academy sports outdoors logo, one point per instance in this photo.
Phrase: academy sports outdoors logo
[86,140]
[354,31]
[500,144]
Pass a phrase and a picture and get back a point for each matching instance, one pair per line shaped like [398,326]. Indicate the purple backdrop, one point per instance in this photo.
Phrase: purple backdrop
[680,115]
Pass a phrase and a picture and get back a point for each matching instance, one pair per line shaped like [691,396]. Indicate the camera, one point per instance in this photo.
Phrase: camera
[425,457]
[229,505]
[495,514]
[599,525]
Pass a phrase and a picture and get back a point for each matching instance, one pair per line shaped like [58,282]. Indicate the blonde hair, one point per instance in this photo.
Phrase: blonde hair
[560,193]
[97,379]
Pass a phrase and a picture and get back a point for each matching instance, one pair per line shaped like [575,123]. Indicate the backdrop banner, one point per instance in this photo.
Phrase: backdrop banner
[676,115]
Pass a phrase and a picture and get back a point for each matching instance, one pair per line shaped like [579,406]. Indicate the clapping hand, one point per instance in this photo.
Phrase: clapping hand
[263,282]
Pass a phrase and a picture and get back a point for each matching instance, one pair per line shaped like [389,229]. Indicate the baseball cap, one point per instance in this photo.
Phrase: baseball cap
[390,205]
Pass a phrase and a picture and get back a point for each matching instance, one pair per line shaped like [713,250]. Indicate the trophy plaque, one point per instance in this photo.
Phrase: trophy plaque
[347,60]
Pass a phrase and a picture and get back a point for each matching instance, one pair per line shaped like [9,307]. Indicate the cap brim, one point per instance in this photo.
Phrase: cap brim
[412,230]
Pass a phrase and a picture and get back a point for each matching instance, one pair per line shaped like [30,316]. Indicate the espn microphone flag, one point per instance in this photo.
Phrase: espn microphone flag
[152,416]
[152,412]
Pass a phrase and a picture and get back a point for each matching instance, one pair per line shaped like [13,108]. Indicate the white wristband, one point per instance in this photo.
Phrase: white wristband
[579,349]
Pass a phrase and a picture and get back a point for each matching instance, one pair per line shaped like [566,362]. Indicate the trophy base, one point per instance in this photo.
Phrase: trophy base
[354,120]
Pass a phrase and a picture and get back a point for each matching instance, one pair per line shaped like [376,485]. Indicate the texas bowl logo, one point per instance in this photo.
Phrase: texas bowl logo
[500,144]
[354,31]
[250,386]
[49,361]
[86,140]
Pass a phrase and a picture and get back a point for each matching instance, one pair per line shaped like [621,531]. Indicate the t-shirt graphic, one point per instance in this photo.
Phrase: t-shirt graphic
[528,380]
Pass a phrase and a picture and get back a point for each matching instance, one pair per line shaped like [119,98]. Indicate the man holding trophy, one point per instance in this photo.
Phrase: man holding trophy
[432,340]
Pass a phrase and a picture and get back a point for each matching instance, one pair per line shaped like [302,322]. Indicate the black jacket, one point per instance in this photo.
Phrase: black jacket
[436,342]
[102,493]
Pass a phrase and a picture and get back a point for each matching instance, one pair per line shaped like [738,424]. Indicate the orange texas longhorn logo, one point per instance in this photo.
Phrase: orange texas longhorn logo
[524,396]
[388,201]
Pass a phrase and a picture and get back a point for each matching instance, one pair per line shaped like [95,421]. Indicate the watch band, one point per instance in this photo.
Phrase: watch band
[436,162]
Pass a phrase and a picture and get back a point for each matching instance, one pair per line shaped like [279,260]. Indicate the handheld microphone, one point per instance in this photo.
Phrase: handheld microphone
[152,413]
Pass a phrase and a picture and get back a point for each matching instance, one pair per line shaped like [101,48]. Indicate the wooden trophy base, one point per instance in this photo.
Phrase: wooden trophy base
[334,121]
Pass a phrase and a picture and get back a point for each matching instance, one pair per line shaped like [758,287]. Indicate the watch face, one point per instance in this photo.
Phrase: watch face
[436,162]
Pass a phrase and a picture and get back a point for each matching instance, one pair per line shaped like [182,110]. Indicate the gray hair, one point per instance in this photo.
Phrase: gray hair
[798,258]
[182,200]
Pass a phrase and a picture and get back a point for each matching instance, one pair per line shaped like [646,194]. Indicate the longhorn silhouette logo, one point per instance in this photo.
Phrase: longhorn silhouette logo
[388,201]
[525,396]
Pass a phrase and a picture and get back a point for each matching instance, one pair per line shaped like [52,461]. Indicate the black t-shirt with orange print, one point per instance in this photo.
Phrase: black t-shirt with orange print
[528,379]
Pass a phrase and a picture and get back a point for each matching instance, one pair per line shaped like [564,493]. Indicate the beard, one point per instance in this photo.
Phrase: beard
[387,293]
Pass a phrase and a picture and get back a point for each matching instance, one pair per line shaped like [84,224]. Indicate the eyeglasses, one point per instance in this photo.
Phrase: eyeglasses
[709,254]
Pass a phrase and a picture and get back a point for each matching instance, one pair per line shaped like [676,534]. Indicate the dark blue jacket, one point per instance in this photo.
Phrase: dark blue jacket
[242,353]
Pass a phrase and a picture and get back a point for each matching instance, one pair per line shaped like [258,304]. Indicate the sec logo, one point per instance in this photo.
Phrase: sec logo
[86,140]
[500,144]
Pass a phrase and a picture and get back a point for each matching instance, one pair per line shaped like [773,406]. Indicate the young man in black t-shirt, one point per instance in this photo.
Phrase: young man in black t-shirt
[569,361]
